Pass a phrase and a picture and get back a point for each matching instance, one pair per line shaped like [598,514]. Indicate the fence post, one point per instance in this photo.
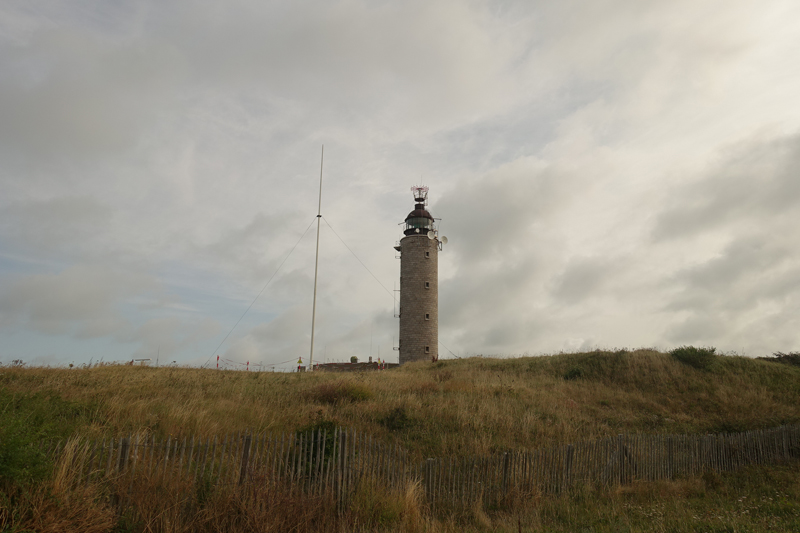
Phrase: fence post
[110,456]
[341,463]
[166,455]
[670,458]
[330,483]
[245,458]
[567,480]
[429,481]
[91,461]
[506,458]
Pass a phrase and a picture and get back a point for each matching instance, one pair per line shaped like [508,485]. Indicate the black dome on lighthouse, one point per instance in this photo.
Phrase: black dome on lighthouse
[419,212]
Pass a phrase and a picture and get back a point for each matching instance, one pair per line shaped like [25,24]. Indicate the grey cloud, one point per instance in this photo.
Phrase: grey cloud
[750,271]
[580,279]
[749,199]
[782,287]
[282,338]
[745,293]
[82,301]
[169,336]
[182,139]
[354,48]
[95,90]
[697,329]
[86,94]
[756,179]
[490,308]
[495,212]
[256,249]
[62,223]
[507,246]
[751,257]
[513,331]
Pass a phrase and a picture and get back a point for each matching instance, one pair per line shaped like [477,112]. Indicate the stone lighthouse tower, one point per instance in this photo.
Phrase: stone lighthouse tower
[419,286]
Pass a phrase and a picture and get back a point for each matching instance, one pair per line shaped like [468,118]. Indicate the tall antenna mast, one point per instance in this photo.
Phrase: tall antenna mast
[316,265]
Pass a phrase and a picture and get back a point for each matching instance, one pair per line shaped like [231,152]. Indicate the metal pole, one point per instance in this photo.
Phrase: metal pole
[316,265]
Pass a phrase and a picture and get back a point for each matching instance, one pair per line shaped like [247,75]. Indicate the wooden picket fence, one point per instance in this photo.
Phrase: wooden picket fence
[457,482]
[333,464]
[330,464]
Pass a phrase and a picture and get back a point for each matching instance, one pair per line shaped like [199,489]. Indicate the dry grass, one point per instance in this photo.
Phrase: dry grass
[472,406]
[68,503]
[758,499]
[62,504]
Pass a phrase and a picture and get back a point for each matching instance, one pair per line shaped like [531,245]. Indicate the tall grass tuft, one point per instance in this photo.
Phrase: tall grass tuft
[340,392]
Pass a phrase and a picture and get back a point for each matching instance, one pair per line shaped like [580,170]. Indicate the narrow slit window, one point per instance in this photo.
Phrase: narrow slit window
[427,284]
[427,255]
[427,349]
[427,316]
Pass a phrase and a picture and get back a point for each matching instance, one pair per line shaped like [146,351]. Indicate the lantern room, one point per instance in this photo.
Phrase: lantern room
[419,221]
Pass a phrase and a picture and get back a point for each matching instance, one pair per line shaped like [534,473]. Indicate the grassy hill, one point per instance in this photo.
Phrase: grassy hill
[471,406]
[468,406]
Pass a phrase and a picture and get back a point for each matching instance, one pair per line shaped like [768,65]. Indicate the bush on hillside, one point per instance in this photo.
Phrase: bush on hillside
[700,358]
[320,430]
[791,358]
[573,373]
[396,420]
[333,393]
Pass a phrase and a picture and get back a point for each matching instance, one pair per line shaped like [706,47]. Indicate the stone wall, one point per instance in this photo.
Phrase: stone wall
[419,299]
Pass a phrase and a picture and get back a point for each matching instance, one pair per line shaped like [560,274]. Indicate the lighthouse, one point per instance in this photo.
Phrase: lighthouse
[419,285]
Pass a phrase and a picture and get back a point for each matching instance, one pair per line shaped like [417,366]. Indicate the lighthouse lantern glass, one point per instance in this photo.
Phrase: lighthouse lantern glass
[419,223]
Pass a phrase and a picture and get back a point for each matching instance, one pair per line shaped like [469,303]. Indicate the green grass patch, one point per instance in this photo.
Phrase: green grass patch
[26,421]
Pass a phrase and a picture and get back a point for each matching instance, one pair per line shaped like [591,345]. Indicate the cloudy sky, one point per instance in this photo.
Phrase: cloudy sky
[609,173]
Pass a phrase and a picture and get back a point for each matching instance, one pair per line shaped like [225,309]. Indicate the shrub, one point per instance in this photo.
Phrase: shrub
[396,420]
[791,358]
[573,373]
[333,393]
[700,358]
[318,428]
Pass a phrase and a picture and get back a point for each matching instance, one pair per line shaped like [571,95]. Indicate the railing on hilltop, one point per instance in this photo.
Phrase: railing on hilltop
[335,464]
